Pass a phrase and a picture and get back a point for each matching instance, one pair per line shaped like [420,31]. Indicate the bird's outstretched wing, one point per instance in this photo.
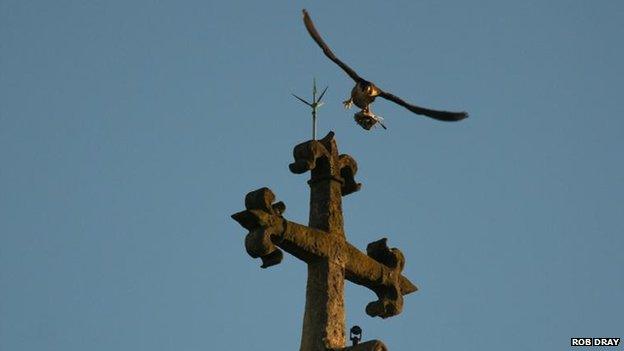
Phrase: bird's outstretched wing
[317,38]
[446,116]
[439,115]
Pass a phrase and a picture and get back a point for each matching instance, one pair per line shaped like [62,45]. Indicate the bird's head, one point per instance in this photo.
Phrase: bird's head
[369,88]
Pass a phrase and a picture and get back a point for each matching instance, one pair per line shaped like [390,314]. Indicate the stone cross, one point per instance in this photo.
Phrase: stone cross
[322,245]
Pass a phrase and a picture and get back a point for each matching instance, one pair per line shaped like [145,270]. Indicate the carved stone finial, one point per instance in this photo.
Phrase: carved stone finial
[392,289]
[348,168]
[321,157]
[306,154]
[265,223]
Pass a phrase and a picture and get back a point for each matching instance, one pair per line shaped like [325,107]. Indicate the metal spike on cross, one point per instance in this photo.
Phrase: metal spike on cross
[314,105]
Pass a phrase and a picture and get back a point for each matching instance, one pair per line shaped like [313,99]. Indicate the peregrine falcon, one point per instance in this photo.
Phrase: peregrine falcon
[365,92]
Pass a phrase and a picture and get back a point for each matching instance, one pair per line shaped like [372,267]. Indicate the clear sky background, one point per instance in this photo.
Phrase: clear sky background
[131,130]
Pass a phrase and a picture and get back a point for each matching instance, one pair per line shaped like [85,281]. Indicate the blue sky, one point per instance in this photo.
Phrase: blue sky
[130,131]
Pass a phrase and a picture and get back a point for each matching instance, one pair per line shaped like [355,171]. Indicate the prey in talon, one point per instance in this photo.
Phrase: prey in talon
[365,92]
[367,119]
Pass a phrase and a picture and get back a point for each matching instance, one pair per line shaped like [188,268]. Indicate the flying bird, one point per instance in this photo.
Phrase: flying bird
[365,92]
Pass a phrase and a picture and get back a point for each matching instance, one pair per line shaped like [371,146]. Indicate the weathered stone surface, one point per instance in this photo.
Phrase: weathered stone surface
[323,247]
[341,168]
[324,316]
[264,221]
[372,345]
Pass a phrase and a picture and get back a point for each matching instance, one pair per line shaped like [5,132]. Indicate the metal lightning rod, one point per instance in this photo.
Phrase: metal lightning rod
[314,105]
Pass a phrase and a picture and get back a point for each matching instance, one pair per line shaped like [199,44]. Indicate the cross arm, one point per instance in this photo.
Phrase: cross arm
[269,231]
[379,269]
